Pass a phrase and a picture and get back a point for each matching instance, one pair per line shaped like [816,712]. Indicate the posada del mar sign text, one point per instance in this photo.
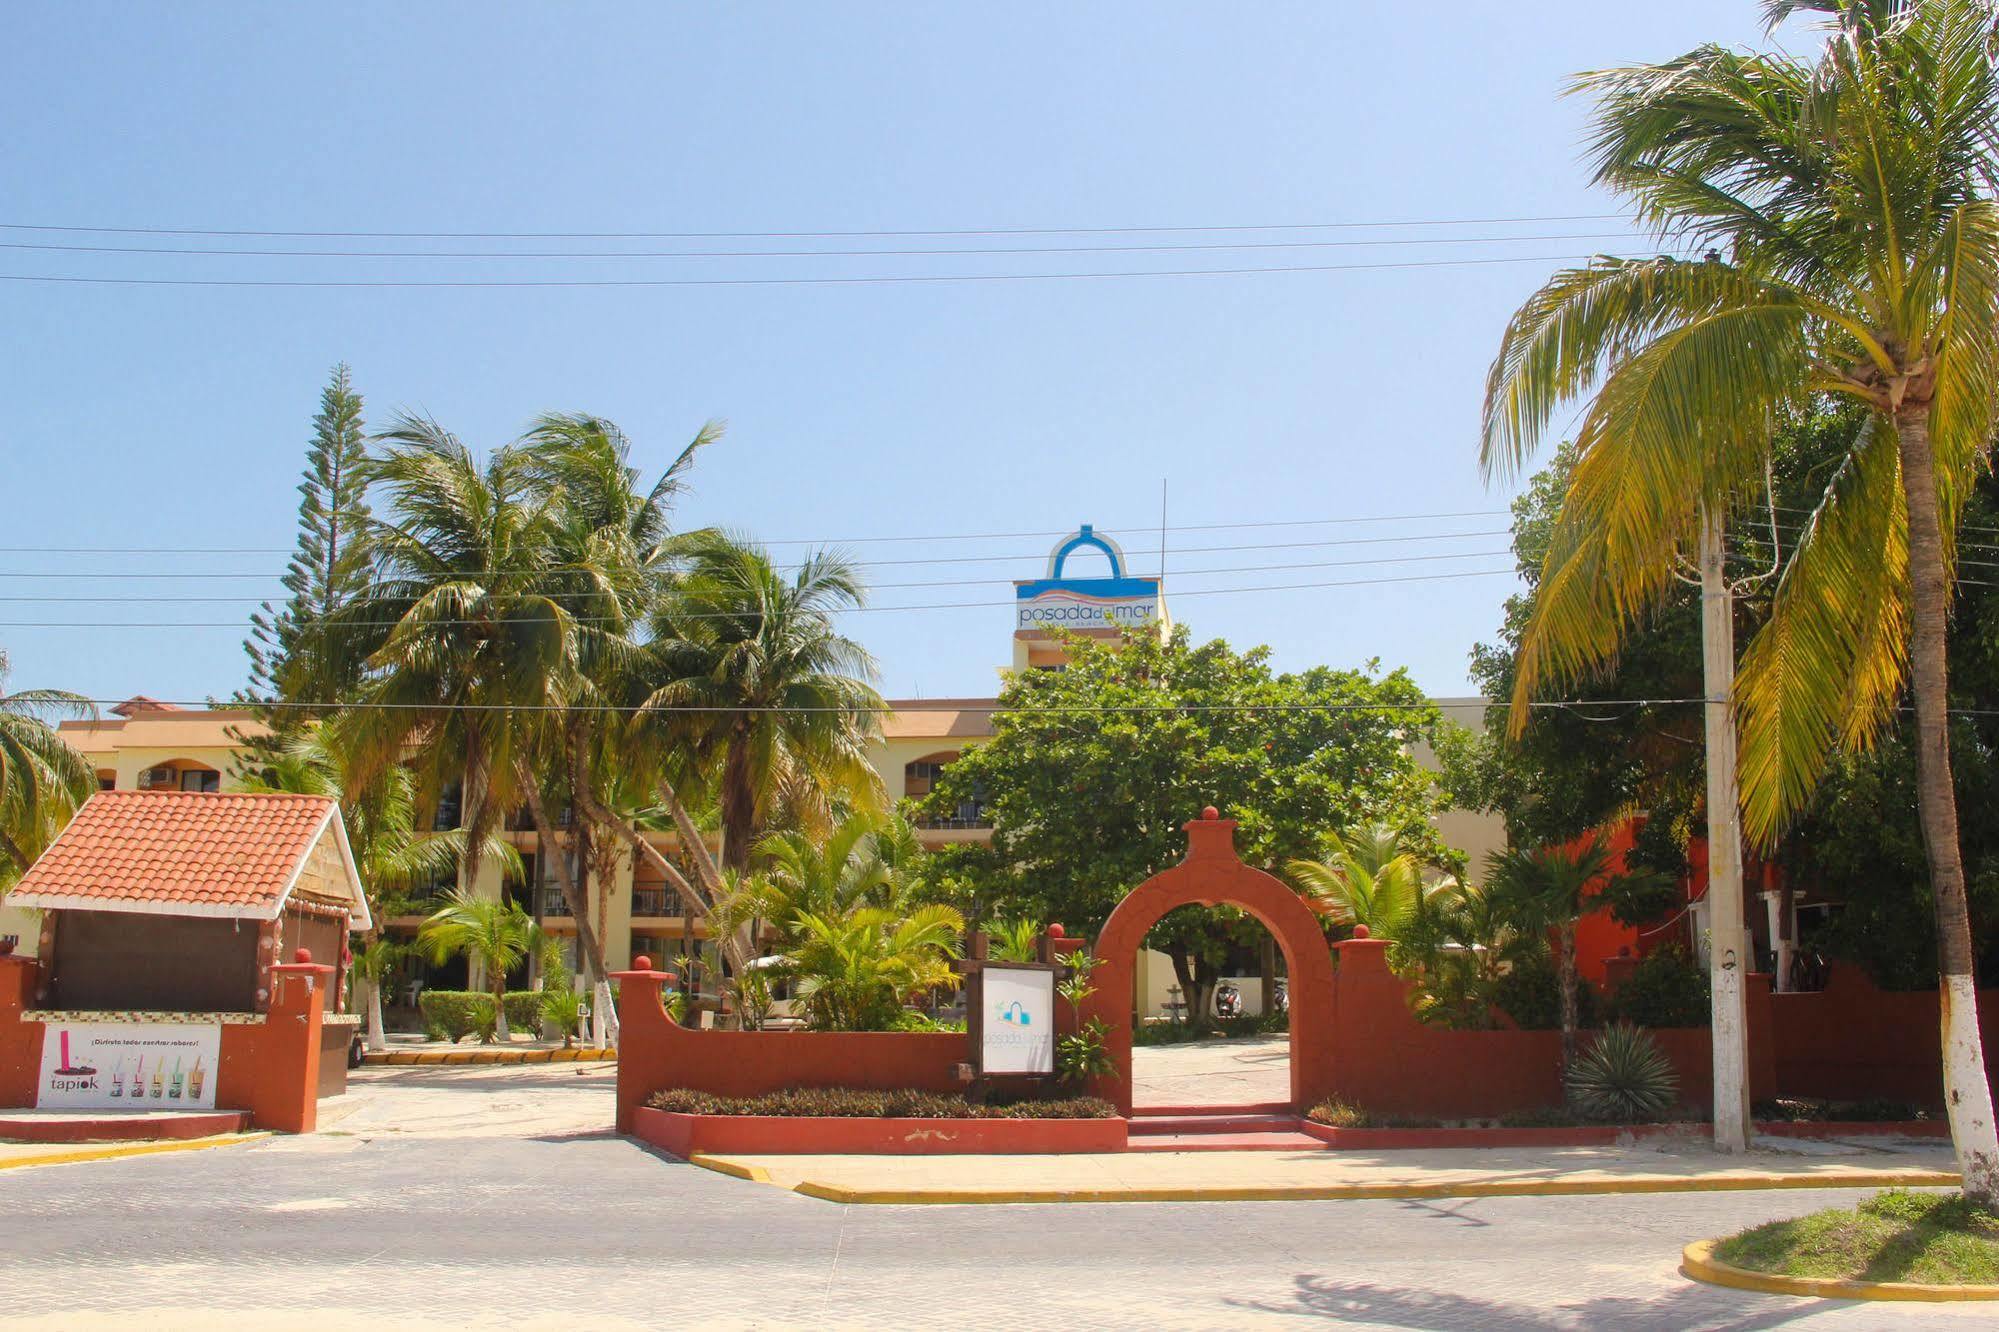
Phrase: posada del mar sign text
[1116,602]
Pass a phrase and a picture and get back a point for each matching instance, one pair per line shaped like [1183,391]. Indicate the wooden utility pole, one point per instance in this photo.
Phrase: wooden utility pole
[1728,940]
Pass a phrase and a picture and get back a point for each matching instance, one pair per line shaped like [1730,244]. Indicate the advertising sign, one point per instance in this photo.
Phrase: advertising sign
[1061,601]
[129,1066]
[1017,1034]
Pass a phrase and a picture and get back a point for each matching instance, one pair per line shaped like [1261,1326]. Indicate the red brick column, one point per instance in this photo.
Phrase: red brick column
[271,1068]
[644,1033]
[20,1042]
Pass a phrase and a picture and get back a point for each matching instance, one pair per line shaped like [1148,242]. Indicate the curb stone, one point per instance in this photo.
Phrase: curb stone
[1697,1261]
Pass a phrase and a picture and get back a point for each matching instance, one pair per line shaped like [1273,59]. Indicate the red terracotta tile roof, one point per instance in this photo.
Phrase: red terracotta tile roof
[179,853]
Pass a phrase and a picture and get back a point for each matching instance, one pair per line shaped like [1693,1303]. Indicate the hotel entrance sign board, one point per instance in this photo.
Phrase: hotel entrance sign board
[1110,604]
[1016,1018]
[128,1066]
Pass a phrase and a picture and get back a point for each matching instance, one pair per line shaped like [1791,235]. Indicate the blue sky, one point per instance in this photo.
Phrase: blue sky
[163,418]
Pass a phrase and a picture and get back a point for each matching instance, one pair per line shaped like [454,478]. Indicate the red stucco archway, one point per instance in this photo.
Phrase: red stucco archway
[1211,875]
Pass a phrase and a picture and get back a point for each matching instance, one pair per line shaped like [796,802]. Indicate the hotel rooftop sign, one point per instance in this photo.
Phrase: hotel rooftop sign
[1101,605]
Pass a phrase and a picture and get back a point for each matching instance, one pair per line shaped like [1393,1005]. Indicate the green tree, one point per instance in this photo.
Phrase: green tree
[1853,253]
[858,968]
[1546,890]
[42,780]
[497,936]
[293,658]
[471,648]
[753,681]
[1093,770]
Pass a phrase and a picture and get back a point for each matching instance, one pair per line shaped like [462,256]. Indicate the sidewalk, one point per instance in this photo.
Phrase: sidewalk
[1651,1167]
[406,1049]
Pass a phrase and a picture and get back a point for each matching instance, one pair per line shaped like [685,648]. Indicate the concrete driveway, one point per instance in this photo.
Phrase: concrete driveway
[1237,1071]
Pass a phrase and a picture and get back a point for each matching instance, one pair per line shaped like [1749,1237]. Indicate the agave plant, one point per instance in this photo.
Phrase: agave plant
[1623,1076]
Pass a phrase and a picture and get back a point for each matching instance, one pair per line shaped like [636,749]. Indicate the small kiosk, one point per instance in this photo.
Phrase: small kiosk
[175,969]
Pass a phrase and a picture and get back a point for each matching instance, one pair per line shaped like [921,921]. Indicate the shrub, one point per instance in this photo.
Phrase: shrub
[456,1014]
[524,1010]
[1340,1114]
[1546,1116]
[1665,989]
[1344,1114]
[866,1103]
[1624,1076]
[1531,994]
[1806,1110]
[562,1009]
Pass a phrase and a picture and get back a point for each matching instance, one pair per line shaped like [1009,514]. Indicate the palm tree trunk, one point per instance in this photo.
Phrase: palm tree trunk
[498,973]
[1566,970]
[472,816]
[1967,1093]
[732,945]
[739,808]
[378,1036]
[550,852]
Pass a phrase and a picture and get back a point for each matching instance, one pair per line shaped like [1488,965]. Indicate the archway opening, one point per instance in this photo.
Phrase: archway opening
[1210,1023]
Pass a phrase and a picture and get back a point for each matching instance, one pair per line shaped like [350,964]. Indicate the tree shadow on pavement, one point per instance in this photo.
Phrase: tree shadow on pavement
[1690,1306]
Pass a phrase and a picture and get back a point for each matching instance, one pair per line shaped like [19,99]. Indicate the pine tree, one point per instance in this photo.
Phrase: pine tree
[292,657]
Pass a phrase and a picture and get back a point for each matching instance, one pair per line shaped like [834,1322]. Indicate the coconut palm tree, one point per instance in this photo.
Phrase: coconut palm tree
[1843,205]
[42,780]
[469,639]
[857,969]
[751,677]
[613,547]
[1368,880]
[496,935]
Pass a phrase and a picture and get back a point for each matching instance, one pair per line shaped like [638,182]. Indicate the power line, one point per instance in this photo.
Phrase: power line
[863,564]
[913,252]
[832,541]
[728,615]
[252,597]
[806,235]
[871,280]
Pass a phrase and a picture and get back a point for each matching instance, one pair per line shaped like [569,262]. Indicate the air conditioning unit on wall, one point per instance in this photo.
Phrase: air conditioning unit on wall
[156,777]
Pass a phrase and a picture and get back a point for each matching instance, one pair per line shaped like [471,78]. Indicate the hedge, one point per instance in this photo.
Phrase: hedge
[861,1103]
[452,1015]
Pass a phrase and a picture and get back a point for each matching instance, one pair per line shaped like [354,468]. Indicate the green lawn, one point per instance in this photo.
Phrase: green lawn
[1927,1238]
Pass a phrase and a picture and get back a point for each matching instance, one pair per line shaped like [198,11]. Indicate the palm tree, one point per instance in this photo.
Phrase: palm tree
[1545,891]
[856,970]
[752,678]
[1845,208]
[42,780]
[469,638]
[613,549]
[396,856]
[496,935]
[1368,880]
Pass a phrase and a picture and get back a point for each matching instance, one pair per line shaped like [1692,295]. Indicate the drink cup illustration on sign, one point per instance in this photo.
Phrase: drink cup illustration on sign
[173,1084]
[69,1068]
[118,1079]
[160,1078]
[195,1077]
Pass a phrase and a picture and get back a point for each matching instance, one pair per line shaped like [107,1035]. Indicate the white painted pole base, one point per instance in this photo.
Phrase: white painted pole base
[1967,1092]
[1729,1011]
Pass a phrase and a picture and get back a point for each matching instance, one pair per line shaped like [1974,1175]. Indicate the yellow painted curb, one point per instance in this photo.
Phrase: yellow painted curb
[111,1151]
[405,1058]
[1538,1188]
[1697,1260]
[755,1174]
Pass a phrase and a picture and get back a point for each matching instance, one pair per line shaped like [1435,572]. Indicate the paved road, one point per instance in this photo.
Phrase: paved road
[470,1197]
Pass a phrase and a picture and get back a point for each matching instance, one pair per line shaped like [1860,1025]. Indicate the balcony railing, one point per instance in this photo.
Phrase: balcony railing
[655,902]
[967,816]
